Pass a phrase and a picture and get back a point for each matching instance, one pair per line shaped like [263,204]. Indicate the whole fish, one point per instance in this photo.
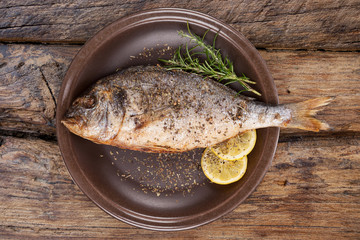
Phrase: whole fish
[149,108]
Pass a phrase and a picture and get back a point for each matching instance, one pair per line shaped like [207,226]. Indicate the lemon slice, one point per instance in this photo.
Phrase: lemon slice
[222,171]
[236,147]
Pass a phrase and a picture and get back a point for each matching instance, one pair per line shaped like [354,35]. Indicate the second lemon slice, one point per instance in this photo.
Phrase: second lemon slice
[237,147]
[222,171]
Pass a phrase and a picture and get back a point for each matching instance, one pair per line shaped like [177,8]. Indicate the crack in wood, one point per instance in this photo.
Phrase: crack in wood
[310,136]
[42,43]
[48,86]
[25,26]
[26,135]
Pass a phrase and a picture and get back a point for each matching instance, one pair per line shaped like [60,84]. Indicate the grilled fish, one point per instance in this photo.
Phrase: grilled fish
[151,109]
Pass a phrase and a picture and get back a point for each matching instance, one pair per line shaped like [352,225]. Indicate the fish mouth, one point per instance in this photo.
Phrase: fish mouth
[69,122]
[72,123]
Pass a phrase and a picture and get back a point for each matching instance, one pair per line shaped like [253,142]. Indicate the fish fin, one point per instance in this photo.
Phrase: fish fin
[142,120]
[303,112]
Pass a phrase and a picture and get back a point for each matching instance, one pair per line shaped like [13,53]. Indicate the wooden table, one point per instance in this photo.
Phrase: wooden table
[312,189]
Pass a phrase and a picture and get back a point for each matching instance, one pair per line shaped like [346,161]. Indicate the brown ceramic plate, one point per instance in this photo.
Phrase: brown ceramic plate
[168,191]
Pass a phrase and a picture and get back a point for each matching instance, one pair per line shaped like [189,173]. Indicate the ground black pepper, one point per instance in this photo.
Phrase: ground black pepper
[162,174]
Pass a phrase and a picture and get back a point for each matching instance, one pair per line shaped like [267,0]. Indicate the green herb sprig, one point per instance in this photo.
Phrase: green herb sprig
[214,65]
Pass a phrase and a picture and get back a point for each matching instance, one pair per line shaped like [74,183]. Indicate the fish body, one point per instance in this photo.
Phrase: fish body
[149,108]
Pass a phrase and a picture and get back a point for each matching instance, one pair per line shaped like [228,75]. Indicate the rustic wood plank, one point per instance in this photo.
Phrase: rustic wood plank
[32,75]
[311,191]
[308,194]
[267,24]
[302,75]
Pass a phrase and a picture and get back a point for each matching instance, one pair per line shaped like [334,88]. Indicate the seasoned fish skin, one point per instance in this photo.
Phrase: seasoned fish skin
[149,108]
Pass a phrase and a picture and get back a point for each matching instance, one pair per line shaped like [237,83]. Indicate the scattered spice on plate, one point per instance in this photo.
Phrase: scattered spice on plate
[162,174]
[159,51]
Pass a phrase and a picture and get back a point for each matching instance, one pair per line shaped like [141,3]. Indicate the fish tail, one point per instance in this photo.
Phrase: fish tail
[303,112]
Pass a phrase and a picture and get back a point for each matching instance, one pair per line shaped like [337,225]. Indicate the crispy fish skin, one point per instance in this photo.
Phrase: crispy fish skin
[149,108]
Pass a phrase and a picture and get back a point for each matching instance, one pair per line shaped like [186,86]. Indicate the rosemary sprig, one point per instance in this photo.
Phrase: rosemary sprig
[215,66]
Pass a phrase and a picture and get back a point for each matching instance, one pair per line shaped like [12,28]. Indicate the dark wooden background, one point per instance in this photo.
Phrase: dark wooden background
[312,190]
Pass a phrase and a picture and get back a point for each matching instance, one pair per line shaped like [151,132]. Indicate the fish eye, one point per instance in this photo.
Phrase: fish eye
[89,101]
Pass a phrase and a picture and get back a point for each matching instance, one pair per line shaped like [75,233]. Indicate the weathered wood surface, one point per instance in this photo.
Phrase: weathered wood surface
[304,195]
[312,190]
[32,76]
[267,24]
[30,82]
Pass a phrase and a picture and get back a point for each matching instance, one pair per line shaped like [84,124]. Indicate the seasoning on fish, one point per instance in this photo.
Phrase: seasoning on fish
[151,109]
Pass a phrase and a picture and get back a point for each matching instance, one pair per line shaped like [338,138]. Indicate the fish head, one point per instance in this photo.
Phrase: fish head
[97,115]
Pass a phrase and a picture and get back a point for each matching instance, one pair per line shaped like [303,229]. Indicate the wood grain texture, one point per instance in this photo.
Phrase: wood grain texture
[303,24]
[302,75]
[312,189]
[32,75]
[312,194]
